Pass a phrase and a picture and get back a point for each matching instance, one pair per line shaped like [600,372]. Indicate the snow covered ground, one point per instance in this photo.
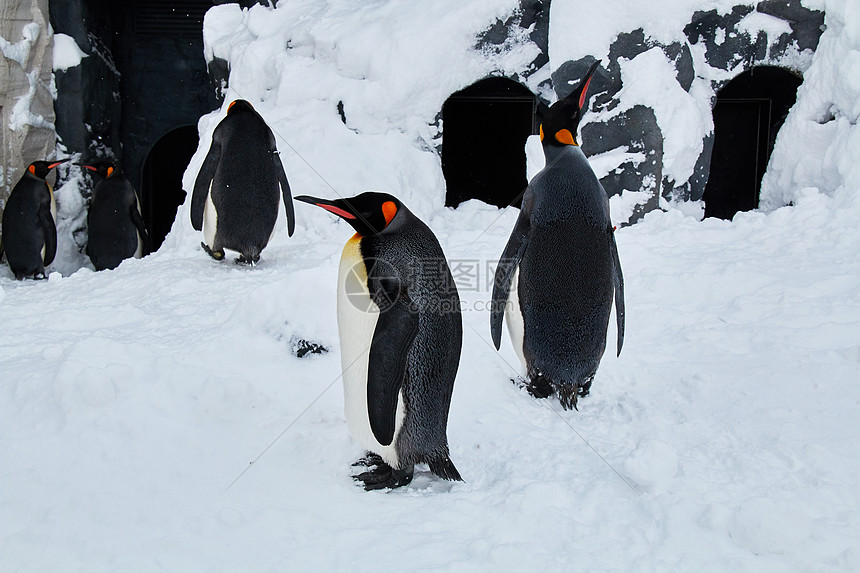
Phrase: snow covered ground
[156,417]
[724,437]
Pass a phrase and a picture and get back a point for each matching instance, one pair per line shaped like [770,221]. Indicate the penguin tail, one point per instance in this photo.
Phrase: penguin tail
[444,468]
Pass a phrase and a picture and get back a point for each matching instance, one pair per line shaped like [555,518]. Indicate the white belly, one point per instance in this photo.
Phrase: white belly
[210,220]
[356,319]
[53,215]
[514,319]
[138,253]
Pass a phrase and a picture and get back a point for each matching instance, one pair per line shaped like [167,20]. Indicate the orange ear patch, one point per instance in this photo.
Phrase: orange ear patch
[110,171]
[389,210]
[32,169]
[564,136]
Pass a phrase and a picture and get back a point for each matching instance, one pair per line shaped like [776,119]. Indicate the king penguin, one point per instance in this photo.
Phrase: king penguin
[401,332]
[235,197]
[30,223]
[115,228]
[560,271]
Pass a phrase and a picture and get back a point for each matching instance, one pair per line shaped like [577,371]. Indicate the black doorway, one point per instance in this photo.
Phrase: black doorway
[749,111]
[484,132]
[162,194]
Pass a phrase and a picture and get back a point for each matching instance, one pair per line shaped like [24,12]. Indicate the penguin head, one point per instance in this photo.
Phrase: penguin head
[239,105]
[103,169]
[562,119]
[41,168]
[369,213]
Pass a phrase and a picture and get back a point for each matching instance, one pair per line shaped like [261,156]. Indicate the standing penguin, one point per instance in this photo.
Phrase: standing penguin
[235,200]
[30,223]
[115,227]
[560,271]
[401,332]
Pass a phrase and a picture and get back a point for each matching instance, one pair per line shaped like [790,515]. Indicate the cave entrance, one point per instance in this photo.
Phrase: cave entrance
[484,132]
[161,191]
[749,111]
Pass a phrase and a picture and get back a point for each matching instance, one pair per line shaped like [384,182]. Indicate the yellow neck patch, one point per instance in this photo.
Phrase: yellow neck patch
[541,132]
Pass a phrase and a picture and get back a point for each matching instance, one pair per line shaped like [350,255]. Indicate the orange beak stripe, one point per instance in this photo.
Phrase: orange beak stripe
[584,95]
[336,210]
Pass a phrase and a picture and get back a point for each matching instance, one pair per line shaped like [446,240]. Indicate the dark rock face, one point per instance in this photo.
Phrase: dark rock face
[637,128]
[726,47]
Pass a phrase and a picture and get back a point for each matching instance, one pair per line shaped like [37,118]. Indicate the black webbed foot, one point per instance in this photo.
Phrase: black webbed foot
[251,261]
[369,460]
[217,255]
[539,386]
[384,476]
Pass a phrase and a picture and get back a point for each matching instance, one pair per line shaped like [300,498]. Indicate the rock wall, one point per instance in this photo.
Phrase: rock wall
[26,87]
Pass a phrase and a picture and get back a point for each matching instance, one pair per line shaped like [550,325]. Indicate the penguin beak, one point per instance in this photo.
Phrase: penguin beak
[85,166]
[52,165]
[329,206]
[586,80]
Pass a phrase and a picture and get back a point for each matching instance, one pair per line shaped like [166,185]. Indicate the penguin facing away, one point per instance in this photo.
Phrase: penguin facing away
[560,271]
[235,197]
[30,222]
[115,228]
[401,334]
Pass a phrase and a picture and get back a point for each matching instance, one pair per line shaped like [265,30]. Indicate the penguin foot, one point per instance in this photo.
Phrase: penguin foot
[539,387]
[243,260]
[217,255]
[369,460]
[384,476]
[568,395]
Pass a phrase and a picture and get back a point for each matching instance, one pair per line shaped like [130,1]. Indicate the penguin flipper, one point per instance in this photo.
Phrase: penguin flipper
[508,263]
[201,184]
[141,228]
[49,230]
[618,280]
[285,190]
[395,331]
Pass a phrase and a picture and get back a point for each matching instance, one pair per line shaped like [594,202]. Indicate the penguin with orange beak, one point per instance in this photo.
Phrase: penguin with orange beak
[560,271]
[30,223]
[398,314]
[115,227]
[235,197]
